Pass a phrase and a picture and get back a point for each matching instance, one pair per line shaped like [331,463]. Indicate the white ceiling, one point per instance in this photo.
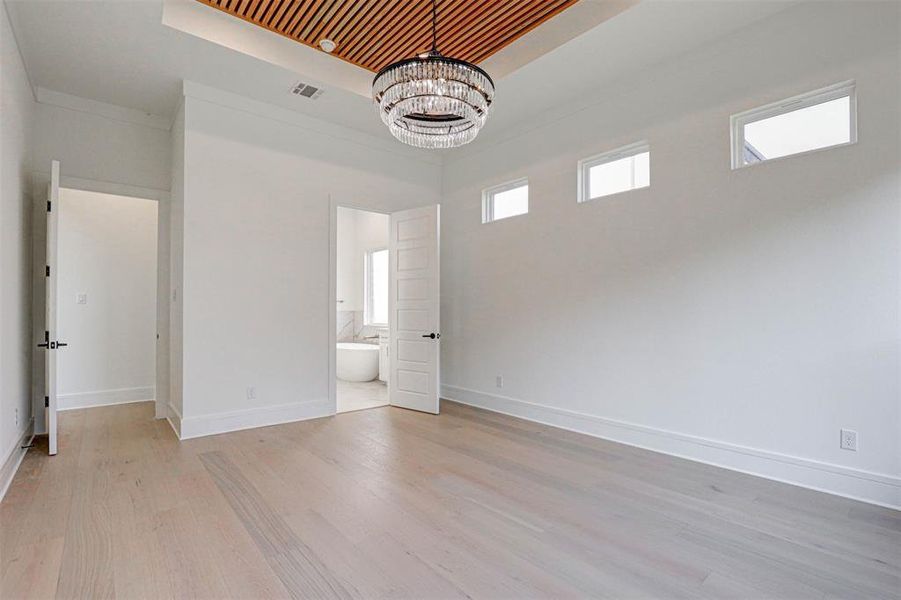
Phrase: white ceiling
[119,52]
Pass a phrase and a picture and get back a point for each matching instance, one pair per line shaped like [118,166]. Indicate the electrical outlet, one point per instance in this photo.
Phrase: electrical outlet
[499,381]
[251,393]
[849,440]
[81,298]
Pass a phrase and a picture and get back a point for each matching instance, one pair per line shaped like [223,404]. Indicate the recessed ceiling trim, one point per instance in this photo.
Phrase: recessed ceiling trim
[240,35]
[374,33]
[102,109]
[319,68]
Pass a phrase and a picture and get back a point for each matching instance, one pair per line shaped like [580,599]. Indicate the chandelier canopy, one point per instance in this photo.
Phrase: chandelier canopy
[433,101]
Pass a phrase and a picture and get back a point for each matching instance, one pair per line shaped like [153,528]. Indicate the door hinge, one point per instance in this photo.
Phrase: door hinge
[46,401]
[47,271]
[47,337]
[49,204]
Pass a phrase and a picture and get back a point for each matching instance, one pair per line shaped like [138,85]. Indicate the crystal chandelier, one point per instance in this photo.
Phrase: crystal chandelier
[433,101]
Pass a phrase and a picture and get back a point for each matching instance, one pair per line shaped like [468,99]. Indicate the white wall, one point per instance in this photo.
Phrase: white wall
[372,234]
[107,253]
[738,317]
[99,148]
[359,232]
[256,299]
[16,126]
[350,292]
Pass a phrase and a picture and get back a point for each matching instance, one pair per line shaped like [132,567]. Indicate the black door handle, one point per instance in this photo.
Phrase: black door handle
[52,345]
[433,336]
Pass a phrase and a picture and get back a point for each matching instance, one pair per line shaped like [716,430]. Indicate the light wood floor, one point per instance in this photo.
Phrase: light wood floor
[354,395]
[391,503]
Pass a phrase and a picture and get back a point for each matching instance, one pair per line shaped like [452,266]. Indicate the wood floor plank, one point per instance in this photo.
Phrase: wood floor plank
[86,569]
[242,565]
[297,565]
[388,503]
[190,563]
[33,570]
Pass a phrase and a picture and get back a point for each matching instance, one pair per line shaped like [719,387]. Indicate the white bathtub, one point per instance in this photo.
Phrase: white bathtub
[357,362]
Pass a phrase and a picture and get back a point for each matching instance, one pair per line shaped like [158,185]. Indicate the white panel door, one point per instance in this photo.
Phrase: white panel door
[50,343]
[414,302]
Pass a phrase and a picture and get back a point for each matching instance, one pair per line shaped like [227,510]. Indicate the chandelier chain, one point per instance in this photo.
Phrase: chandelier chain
[434,25]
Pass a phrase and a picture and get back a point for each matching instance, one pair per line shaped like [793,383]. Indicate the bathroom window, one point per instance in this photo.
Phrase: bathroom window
[620,170]
[506,200]
[376,286]
[821,119]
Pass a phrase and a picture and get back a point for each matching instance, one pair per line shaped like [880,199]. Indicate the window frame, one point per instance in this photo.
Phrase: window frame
[835,91]
[489,193]
[586,164]
[367,287]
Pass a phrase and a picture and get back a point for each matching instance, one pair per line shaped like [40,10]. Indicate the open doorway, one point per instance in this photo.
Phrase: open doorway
[106,296]
[99,289]
[106,290]
[376,359]
[361,323]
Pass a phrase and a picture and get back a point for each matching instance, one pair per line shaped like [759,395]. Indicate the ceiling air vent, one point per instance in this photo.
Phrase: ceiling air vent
[306,90]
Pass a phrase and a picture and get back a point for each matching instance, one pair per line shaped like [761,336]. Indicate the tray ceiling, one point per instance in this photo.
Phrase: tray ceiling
[374,33]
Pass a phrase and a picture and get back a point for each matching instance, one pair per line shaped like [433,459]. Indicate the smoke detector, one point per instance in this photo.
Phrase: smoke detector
[306,90]
[327,45]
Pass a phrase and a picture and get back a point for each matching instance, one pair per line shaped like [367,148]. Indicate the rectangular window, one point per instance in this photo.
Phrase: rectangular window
[821,119]
[376,286]
[620,170]
[507,200]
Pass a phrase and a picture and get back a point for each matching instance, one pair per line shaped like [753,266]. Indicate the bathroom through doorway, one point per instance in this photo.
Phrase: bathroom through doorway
[362,311]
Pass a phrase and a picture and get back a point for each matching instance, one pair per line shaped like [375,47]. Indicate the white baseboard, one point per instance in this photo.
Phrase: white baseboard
[174,417]
[874,488]
[13,458]
[199,426]
[160,408]
[104,398]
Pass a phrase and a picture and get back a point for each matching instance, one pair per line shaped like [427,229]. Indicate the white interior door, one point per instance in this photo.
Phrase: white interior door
[50,343]
[414,302]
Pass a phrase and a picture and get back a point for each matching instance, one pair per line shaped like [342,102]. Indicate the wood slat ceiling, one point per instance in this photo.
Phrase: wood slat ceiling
[374,33]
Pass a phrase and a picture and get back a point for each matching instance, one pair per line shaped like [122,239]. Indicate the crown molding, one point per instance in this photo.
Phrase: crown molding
[199,91]
[112,112]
